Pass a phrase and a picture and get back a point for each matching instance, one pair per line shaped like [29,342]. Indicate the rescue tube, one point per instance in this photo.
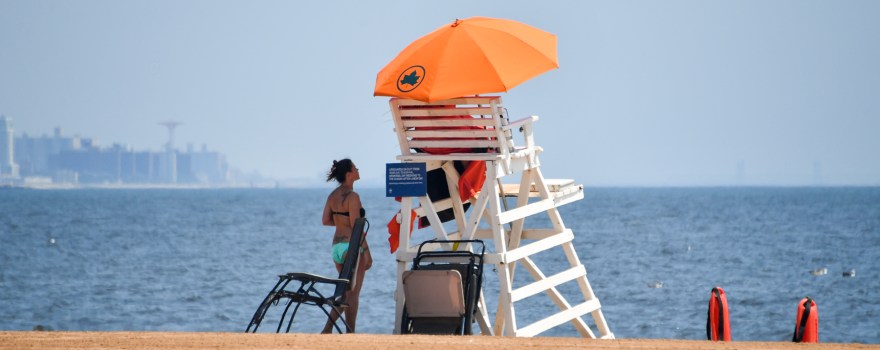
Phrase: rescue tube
[394,229]
[718,320]
[806,327]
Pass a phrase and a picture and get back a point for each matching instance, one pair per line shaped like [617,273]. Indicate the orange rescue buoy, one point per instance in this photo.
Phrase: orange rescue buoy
[806,327]
[718,320]
[394,229]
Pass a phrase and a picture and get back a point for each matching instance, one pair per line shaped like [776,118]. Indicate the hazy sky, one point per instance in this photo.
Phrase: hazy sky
[647,93]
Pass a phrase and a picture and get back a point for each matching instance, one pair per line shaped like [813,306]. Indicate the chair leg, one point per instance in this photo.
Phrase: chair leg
[290,323]
[302,289]
[339,315]
[404,322]
[284,315]
[258,315]
[339,311]
[264,306]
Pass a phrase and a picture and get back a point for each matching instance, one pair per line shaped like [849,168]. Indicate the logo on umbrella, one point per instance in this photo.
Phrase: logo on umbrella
[411,78]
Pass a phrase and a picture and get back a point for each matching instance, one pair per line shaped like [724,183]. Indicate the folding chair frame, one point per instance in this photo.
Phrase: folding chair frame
[307,291]
[472,278]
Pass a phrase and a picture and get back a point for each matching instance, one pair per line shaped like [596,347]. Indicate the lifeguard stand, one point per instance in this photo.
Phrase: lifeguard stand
[476,130]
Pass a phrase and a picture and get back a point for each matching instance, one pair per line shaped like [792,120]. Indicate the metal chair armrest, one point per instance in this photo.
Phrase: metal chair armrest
[308,277]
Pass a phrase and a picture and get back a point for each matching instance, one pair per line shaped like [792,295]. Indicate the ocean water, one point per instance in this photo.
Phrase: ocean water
[202,260]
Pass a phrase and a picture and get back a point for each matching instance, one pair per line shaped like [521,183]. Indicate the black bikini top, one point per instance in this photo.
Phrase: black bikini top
[343,213]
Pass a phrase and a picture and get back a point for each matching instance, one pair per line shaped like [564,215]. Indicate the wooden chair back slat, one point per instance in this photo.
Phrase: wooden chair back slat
[445,112]
[474,123]
[452,135]
[446,123]
[454,144]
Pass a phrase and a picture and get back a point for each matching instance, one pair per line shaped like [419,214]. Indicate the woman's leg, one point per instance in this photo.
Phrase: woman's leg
[353,296]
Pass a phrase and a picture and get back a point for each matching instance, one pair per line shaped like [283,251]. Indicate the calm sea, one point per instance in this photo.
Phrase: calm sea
[202,260]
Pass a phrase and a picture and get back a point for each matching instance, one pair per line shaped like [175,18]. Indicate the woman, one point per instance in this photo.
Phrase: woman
[342,209]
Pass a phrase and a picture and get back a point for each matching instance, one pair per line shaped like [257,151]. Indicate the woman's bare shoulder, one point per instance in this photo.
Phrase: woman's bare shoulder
[335,193]
[352,197]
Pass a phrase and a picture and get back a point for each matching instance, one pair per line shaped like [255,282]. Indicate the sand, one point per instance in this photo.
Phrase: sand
[173,341]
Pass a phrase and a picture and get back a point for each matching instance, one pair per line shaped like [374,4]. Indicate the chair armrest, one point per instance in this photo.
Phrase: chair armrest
[525,125]
[521,122]
[308,277]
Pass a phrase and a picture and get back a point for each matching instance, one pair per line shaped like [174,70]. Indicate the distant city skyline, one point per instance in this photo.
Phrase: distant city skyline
[61,160]
[740,172]
[161,143]
[672,93]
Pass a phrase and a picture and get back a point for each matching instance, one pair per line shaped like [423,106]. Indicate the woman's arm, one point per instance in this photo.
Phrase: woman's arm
[327,218]
[354,208]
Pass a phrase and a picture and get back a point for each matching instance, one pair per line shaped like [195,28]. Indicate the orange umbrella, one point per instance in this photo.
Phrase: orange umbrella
[471,56]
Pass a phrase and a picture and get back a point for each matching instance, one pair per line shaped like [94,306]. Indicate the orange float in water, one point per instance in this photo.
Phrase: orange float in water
[718,320]
[806,327]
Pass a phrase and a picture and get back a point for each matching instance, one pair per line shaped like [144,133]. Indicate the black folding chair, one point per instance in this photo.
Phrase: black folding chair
[303,288]
[443,288]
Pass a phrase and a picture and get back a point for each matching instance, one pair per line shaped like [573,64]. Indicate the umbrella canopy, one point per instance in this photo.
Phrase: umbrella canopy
[471,56]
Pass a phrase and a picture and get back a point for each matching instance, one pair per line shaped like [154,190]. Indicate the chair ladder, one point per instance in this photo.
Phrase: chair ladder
[508,235]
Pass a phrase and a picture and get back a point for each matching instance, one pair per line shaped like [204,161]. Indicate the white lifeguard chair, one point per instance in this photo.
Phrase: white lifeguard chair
[487,136]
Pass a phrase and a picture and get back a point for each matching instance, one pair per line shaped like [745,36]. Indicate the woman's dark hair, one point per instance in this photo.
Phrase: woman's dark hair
[339,169]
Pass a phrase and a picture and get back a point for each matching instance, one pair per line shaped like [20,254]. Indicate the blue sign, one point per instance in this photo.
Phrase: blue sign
[406,180]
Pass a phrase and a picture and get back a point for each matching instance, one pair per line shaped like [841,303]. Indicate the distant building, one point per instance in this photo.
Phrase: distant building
[8,167]
[93,165]
[203,167]
[33,152]
[73,160]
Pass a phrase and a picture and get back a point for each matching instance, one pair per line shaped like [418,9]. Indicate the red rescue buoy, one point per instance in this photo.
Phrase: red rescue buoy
[718,320]
[394,229]
[806,327]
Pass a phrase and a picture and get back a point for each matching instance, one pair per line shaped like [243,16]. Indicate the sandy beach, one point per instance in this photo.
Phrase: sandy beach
[174,340]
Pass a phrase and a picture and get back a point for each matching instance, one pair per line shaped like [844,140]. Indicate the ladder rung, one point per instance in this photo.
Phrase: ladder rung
[526,211]
[553,185]
[559,318]
[539,246]
[547,283]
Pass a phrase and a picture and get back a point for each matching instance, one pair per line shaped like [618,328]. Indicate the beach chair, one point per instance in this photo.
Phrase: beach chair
[443,288]
[300,288]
